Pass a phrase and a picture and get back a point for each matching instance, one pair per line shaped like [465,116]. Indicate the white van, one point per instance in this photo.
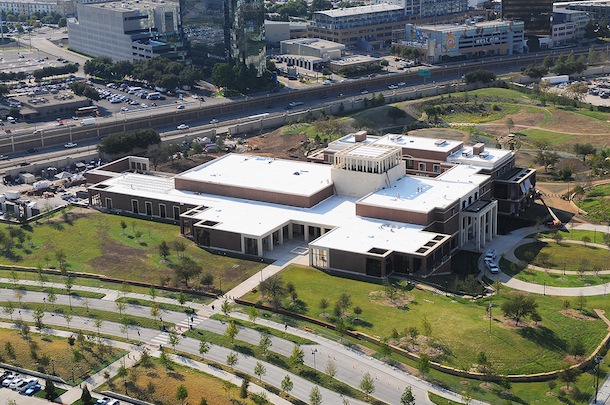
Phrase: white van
[11,119]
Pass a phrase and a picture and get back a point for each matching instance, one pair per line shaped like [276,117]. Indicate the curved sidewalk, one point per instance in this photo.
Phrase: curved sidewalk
[505,245]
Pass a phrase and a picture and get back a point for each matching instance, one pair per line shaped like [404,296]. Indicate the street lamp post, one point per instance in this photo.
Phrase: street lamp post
[598,360]
[313,352]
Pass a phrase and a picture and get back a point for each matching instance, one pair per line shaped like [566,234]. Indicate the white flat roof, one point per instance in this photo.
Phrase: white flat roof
[314,43]
[416,142]
[367,151]
[261,173]
[360,235]
[419,194]
[349,11]
[488,160]
[464,174]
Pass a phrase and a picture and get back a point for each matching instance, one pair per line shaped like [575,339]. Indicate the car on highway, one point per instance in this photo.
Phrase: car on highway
[392,86]
[402,83]
[214,121]
[364,91]
[182,126]
[70,145]
[4,157]
[180,107]
[32,150]
[25,163]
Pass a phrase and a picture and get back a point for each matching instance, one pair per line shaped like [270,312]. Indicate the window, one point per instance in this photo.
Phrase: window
[148,205]
[109,203]
[176,212]
[436,168]
[135,206]
[422,167]
[162,213]
[409,163]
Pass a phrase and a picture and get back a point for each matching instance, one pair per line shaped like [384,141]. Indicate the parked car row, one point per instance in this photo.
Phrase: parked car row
[490,262]
[21,383]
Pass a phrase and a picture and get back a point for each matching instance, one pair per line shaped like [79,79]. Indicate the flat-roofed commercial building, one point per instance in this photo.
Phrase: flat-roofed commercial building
[512,187]
[445,42]
[364,27]
[362,215]
[127,31]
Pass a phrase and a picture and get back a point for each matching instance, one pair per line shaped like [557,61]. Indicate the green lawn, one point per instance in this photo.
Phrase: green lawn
[74,293]
[505,109]
[556,139]
[573,256]
[559,280]
[95,243]
[459,327]
[497,93]
[574,234]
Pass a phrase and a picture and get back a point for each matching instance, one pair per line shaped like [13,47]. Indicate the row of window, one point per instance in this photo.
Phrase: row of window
[148,209]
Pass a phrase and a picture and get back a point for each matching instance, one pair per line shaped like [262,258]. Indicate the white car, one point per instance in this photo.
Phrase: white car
[15,382]
[124,109]
[490,255]
[214,121]
[492,267]
[392,87]
[70,145]
[182,126]
[180,107]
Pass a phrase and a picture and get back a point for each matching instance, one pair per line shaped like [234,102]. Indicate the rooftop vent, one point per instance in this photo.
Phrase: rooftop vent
[466,154]
[440,142]
[483,154]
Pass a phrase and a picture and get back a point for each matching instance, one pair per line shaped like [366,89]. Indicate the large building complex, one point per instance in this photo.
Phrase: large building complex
[127,31]
[362,214]
[596,9]
[225,30]
[364,27]
[474,40]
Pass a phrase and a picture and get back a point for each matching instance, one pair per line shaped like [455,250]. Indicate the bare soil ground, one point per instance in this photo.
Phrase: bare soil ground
[569,122]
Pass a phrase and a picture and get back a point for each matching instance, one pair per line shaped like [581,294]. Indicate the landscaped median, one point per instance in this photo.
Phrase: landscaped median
[451,332]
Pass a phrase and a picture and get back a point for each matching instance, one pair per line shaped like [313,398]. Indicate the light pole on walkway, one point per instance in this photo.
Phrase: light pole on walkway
[598,360]
[313,352]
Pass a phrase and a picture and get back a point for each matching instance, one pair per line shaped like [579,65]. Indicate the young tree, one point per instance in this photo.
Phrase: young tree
[226,307]
[232,360]
[232,331]
[253,314]
[581,300]
[38,315]
[413,334]
[152,291]
[204,347]
[49,389]
[407,397]
[85,396]
[298,356]
[331,368]
[181,393]
[260,370]
[367,384]
[173,339]
[287,384]
[510,124]
[519,306]
[265,343]
[123,227]
[423,364]
[323,304]
[120,306]
[315,396]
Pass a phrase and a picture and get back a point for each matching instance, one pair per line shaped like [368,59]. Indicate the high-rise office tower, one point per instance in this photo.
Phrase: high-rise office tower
[224,30]
[535,14]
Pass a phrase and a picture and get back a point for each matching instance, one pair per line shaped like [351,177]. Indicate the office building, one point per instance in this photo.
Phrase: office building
[535,14]
[418,9]
[65,8]
[364,27]
[225,31]
[467,41]
[127,31]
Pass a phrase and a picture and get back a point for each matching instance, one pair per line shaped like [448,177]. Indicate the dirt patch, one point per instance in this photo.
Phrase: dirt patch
[486,386]
[399,302]
[279,145]
[569,122]
[181,165]
[573,359]
[576,314]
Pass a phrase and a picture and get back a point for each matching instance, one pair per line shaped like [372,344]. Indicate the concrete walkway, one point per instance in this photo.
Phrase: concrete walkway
[505,245]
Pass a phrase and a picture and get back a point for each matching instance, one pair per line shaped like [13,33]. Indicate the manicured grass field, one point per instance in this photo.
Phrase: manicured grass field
[571,254]
[53,355]
[559,280]
[459,326]
[475,118]
[95,243]
[574,234]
